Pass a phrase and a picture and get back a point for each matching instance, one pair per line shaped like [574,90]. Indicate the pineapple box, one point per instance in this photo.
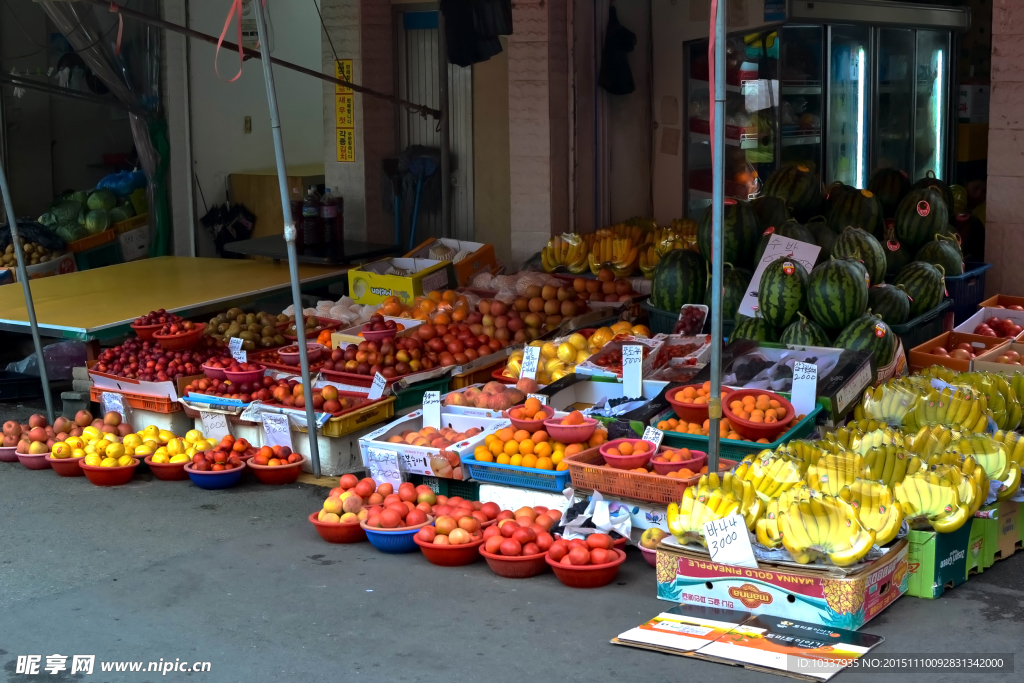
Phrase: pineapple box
[816,595]
[405,278]
[468,258]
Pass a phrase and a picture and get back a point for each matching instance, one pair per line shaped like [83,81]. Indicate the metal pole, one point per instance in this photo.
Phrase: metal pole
[717,215]
[446,155]
[29,305]
[289,236]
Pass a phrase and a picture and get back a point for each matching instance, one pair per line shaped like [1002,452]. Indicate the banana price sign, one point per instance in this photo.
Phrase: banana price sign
[728,542]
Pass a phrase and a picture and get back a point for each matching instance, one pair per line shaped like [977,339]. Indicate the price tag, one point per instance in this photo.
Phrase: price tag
[540,397]
[383,466]
[531,357]
[215,425]
[632,370]
[235,346]
[112,402]
[377,388]
[653,435]
[277,429]
[778,246]
[432,409]
[251,412]
[728,542]
[805,388]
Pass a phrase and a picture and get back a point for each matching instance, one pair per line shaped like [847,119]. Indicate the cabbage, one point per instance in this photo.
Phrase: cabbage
[119,213]
[47,219]
[80,196]
[70,232]
[66,210]
[96,221]
[102,199]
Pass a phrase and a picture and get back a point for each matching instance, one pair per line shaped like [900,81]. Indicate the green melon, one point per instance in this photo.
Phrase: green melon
[942,251]
[781,292]
[837,292]
[834,192]
[857,209]
[824,237]
[890,185]
[739,233]
[868,332]
[790,229]
[804,332]
[858,244]
[924,283]
[799,187]
[890,303]
[734,286]
[771,212]
[754,328]
[679,278]
[896,255]
[942,188]
[920,217]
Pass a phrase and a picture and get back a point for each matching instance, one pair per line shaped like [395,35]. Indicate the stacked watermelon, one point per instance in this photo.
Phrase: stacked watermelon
[890,185]
[734,286]
[740,233]
[680,278]
[798,187]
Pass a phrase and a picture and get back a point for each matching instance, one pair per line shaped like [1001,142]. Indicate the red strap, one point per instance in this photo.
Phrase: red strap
[236,5]
[120,26]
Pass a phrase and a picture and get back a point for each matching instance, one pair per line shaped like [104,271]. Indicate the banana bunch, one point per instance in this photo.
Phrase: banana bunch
[770,474]
[925,496]
[958,407]
[889,402]
[865,425]
[806,452]
[828,445]
[833,471]
[751,506]
[889,464]
[877,508]
[620,254]
[568,250]
[824,526]
[938,372]
[767,527]
[930,441]
[876,438]
[649,258]
[987,452]
[700,504]
[844,436]
[656,244]
[973,489]
[1017,384]
[1014,445]
[636,228]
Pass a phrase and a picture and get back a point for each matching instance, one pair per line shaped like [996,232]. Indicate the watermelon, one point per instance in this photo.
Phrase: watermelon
[858,244]
[824,237]
[834,192]
[924,284]
[782,291]
[971,232]
[790,229]
[837,292]
[942,188]
[943,251]
[679,278]
[754,328]
[804,332]
[799,187]
[857,209]
[734,286]
[896,255]
[868,332]
[890,303]
[771,212]
[890,185]
[739,237]
[959,194]
[920,216]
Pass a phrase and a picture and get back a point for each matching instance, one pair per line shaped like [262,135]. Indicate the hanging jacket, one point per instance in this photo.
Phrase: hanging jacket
[615,76]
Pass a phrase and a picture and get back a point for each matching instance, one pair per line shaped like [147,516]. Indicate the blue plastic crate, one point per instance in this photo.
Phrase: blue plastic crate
[967,290]
[523,477]
[736,450]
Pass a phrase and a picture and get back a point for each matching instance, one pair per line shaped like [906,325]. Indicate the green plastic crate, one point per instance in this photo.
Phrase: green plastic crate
[106,255]
[661,322]
[468,490]
[736,450]
[413,394]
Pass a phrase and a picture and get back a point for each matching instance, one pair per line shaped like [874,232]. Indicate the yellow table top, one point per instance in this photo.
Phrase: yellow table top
[80,305]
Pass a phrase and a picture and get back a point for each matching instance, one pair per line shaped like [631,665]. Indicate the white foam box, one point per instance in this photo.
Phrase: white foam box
[587,393]
[984,314]
[513,498]
[177,423]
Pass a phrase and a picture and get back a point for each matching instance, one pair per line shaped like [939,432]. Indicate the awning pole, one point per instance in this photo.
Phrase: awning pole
[443,122]
[289,236]
[23,278]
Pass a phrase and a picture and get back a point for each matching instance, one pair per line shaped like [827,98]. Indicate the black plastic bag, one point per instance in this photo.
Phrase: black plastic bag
[30,231]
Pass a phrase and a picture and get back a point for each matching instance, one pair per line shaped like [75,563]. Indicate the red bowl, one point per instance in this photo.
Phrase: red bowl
[626,462]
[214,373]
[587,576]
[620,543]
[180,342]
[691,412]
[246,375]
[167,471]
[378,335]
[530,425]
[66,467]
[282,474]
[521,567]
[34,462]
[450,555]
[8,454]
[333,532]
[110,476]
[570,433]
[758,430]
[146,332]
[313,353]
[693,464]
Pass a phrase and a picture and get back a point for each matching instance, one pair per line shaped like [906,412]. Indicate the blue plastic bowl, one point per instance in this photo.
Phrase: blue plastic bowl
[215,480]
[393,541]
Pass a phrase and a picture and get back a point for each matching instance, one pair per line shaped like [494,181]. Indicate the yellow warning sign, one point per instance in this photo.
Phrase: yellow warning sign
[346,144]
[344,111]
[343,70]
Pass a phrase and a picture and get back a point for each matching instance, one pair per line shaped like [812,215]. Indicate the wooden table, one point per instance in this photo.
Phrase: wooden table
[102,303]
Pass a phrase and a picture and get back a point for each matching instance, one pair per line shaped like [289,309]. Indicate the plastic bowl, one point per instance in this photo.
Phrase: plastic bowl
[570,433]
[215,480]
[146,332]
[246,375]
[626,462]
[693,464]
[394,541]
[214,373]
[521,567]
[34,462]
[620,542]
[282,474]
[691,412]
[313,351]
[167,471]
[587,576]
[378,335]
[334,532]
[758,430]
[109,476]
[450,555]
[530,425]
[8,454]
[180,342]
[66,467]
[650,555]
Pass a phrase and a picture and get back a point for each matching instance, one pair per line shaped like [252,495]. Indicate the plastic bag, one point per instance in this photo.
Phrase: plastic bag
[30,231]
[833,471]
[933,498]
[61,359]
[600,516]
[123,183]
[876,508]
[771,474]
[823,527]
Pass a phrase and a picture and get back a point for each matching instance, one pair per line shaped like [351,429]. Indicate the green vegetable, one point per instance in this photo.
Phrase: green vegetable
[860,245]
[804,332]
[869,333]
[102,199]
[96,221]
[925,285]
[890,303]
[66,210]
[740,233]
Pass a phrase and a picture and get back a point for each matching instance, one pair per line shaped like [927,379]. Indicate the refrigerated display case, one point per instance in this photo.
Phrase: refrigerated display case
[840,87]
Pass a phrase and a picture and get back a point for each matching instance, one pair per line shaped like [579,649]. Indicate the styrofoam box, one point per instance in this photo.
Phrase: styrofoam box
[986,313]
[590,392]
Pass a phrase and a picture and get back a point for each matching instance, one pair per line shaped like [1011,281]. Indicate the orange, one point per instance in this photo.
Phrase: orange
[485,456]
[780,412]
[434,296]
[762,403]
[736,406]
[663,426]
[625,448]
[763,440]
[516,460]
[573,449]
[496,447]
[539,436]
[503,459]
[688,392]
[756,412]
[532,405]
[542,450]
[449,295]
[526,447]
[732,436]
[561,467]
[614,451]
[505,434]
[756,418]
[529,460]
[511,448]
[774,403]
[597,438]
[545,464]
[480,450]
[516,413]
[557,457]
[521,435]
[574,418]
[748,400]
[706,386]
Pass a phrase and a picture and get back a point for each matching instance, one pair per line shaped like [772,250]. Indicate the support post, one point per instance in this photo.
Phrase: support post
[446,155]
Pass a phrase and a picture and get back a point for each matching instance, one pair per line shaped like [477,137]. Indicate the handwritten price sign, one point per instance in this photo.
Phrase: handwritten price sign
[540,397]
[384,467]
[728,542]
[531,357]
[805,388]
[278,431]
[432,409]
[215,425]
[235,346]
[632,370]
[377,388]
[654,436]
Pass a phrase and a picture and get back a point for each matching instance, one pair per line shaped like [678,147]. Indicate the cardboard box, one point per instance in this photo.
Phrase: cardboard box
[818,596]
[921,356]
[972,142]
[369,283]
[984,314]
[135,243]
[58,266]
[987,361]
[1002,531]
[976,548]
[937,561]
[481,257]
[973,104]
[1001,300]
